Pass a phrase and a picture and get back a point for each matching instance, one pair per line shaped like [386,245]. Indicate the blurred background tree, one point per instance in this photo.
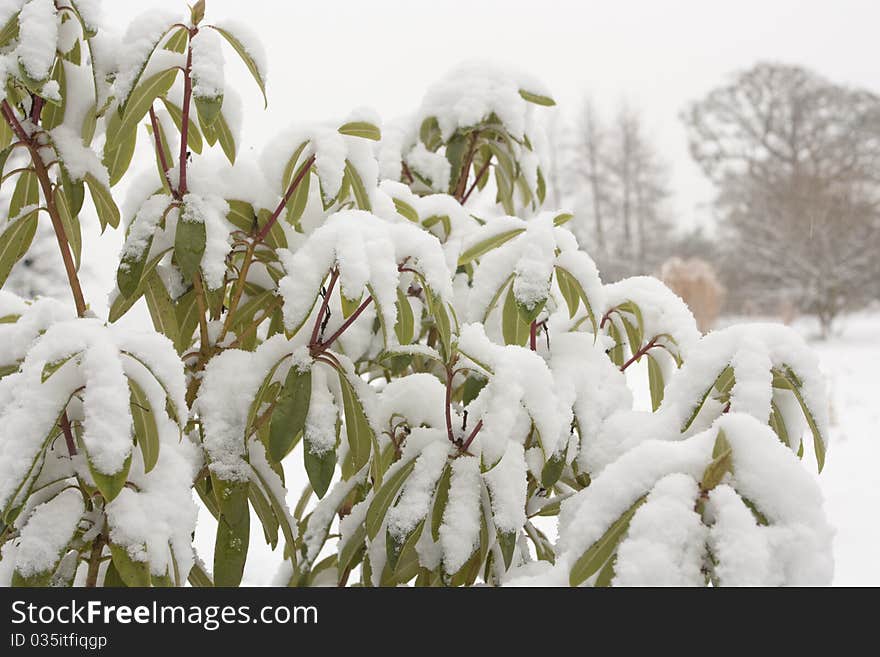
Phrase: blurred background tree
[795,159]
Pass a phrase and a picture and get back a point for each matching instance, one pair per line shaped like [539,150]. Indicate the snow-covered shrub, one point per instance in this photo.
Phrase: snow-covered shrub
[388,313]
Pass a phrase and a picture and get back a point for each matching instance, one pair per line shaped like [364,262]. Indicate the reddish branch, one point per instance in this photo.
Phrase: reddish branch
[160,152]
[641,352]
[321,347]
[473,186]
[450,374]
[470,438]
[334,276]
[304,171]
[46,185]
[466,168]
[184,122]
[68,434]
[533,336]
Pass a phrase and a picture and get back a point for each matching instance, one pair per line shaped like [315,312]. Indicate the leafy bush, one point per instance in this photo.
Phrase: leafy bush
[392,311]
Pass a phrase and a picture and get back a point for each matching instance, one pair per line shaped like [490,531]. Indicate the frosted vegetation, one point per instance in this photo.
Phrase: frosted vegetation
[390,309]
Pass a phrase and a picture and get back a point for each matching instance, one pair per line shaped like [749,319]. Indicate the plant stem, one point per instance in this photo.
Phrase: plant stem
[239,290]
[450,374]
[160,152]
[466,168]
[334,276]
[641,352]
[473,186]
[68,434]
[470,438]
[533,336]
[203,311]
[95,560]
[324,346]
[184,121]
[57,225]
[304,171]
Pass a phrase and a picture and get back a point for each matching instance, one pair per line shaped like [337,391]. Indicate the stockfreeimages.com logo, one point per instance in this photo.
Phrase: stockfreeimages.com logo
[209,617]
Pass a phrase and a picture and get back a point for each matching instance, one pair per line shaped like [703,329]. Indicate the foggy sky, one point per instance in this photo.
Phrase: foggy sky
[326,58]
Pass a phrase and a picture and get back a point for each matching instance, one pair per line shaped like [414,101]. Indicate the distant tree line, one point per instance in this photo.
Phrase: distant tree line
[795,161]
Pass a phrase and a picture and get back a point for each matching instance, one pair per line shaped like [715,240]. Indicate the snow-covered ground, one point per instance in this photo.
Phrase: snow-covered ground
[850,480]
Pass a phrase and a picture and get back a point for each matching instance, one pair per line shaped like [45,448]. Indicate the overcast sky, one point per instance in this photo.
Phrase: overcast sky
[328,57]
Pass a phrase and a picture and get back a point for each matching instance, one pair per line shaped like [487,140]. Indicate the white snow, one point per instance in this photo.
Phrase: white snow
[207,65]
[47,532]
[460,530]
[37,37]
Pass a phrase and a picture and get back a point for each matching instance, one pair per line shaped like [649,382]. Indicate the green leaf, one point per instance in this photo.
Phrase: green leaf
[186,311]
[161,306]
[279,508]
[189,245]
[122,304]
[300,197]
[600,552]
[538,99]
[788,380]
[357,428]
[385,496]
[362,199]
[118,159]
[14,242]
[575,287]
[777,423]
[507,543]
[112,578]
[725,376]
[53,113]
[224,136]
[131,269]
[319,467]
[208,108]
[362,129]
[110,485]
[139,102]
[26,192]
[514,330]
[193,136]
[353,549]
[291,410]
[132,573]
[264,512]
[50,368]
[105,206]
[529,314]
[441,497]
[655,382]
[722,463]
[70,223]
[9,30]
[406,210]
[233,531]
[404,328]
[403,558]
[483,247]
[145,430]
[197,12]
[553,468]
[606,575]
[246,58]
[177,41]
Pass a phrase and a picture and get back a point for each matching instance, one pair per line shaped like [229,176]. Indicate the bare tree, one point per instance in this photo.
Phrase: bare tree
[618,184]
[796,160]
